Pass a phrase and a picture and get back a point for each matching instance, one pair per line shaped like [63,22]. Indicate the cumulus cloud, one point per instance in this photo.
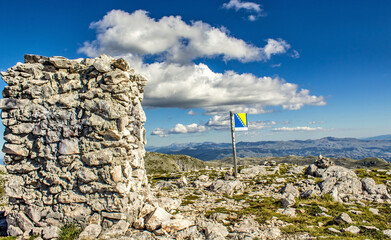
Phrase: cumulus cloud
[192,86]
[191,128]
[291,129]
[191,112]
[219,122]
[120,32]
[174,80]
[159,132]
[276,47]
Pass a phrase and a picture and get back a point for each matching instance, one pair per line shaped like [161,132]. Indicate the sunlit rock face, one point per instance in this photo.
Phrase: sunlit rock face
[74,144]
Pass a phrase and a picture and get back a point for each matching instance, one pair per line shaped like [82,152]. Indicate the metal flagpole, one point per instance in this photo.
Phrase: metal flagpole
[233,144]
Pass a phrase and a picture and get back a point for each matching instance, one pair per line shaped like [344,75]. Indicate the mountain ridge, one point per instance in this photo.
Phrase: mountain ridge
[329,146]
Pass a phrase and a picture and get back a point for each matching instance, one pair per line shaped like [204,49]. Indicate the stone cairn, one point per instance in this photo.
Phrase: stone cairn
[74,145]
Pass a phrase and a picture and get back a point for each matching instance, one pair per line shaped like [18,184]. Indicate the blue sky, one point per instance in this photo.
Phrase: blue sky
[209,57]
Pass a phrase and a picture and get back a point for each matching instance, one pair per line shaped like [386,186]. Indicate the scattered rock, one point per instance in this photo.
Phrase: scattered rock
[352,229]
[227,187]
[343,218]
[154,220]
[288,201]
[374,211]
[387,232]
[92,231]
[333,230]
[175,225]
[50,232]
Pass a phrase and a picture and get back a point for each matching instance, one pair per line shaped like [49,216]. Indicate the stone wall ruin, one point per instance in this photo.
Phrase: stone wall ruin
[74,144]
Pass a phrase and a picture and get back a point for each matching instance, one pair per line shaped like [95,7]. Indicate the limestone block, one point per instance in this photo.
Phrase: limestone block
[92,231]
[61,62]
[86,175]
[50,232]
[343,218]
[8,103]
[98,158]
[71,197]
[15,149]
[24,222]
[121,64]
[175,225]
[116,230]
[103,63]
[68,146]
[34,213]
[155,219]
[13,187]
[21,168]
[116,77]
[14,231]
[116,173]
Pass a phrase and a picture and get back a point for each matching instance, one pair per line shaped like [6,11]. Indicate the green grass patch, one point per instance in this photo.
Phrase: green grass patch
[69,232]
[189,199]
[380,177]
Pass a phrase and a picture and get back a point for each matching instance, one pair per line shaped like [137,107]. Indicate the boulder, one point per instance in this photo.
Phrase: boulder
[371,187]
[155,219]
[227,187]
[288,201]
[352,229]
[290,189]
[50,232]
[343,218]
[175,225]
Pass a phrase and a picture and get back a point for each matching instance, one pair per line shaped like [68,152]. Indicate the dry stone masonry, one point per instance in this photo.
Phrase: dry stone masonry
[74,145]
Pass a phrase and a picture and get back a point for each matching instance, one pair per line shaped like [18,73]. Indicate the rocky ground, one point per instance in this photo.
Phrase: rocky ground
[276,201]
[267,201]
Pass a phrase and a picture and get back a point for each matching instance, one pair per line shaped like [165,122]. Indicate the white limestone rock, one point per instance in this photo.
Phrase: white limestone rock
[154,220]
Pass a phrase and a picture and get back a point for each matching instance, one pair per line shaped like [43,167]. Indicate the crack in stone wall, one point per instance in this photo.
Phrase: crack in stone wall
[74,143]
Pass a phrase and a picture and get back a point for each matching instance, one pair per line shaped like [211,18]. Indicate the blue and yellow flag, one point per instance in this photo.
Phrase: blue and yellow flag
[240,122]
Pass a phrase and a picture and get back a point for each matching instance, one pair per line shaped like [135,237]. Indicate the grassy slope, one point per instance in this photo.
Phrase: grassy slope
[167,163]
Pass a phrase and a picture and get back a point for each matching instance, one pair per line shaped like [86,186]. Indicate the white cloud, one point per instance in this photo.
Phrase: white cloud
[121,33]
[294,54]
[257,125]
[248,6]
[291,129]
[219,122]
[159,132]
[252,18]
[191,112]
[191,128]
[237,5]
[176,81]
[317,122]
[276,47]
[276,65]
[192,86]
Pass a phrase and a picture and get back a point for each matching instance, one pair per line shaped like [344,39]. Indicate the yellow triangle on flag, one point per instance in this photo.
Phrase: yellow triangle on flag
[243,117]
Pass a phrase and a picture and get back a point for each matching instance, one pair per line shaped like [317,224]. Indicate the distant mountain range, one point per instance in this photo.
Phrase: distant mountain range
[330,147]
[381,137]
